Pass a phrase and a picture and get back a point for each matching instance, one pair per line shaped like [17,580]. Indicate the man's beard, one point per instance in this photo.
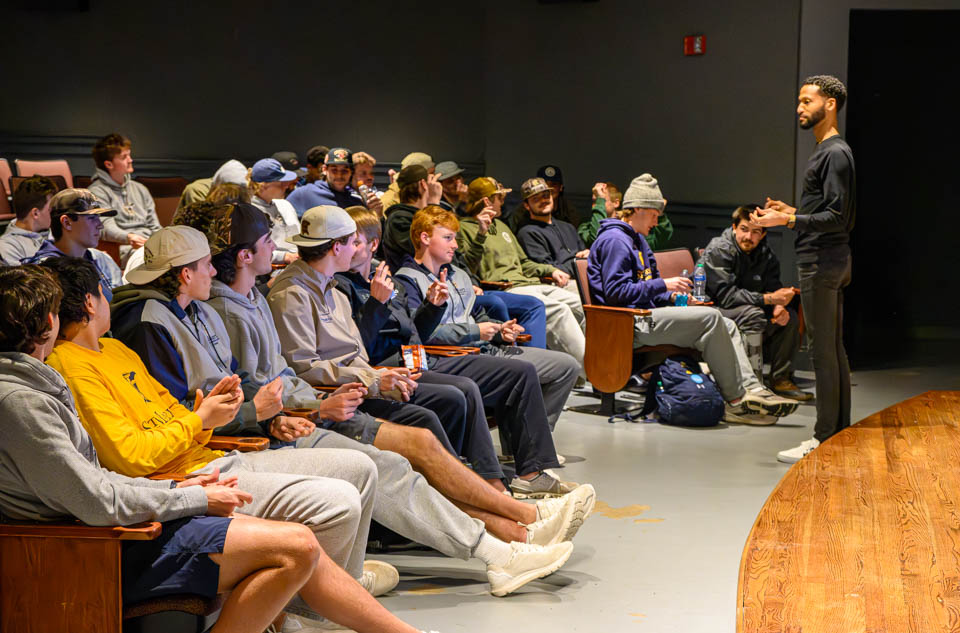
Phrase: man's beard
[814,118]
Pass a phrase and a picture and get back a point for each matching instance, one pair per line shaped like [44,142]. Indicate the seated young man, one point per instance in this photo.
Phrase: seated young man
[403,498]
[25,234]
[606,202]
[416,189]
[387,322]
[450,176]
[743,277]
[334,189]
[75,223]
[622,272]
[232,171]
[271,181]
[49,471]
[136,218]
[491,251]
[544,238]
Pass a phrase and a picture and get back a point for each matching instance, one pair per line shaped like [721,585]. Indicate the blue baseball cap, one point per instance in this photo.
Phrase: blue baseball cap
[270,170]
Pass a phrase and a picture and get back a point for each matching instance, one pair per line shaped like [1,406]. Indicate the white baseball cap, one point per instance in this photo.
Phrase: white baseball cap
[321,224]
[169,247]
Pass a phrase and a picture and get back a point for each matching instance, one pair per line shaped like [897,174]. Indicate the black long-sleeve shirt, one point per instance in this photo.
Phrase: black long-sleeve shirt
[556,243]
[828,203]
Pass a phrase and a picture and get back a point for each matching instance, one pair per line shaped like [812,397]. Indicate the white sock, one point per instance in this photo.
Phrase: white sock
[492,551]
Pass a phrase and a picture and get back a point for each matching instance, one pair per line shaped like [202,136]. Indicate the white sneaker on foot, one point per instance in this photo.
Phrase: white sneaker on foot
[794,455]
[527,563]
[379,577]
[561,518]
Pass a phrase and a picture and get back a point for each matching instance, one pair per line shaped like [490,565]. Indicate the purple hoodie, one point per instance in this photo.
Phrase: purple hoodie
[620,277]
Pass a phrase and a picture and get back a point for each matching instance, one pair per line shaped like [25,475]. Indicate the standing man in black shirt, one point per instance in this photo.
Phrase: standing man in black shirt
[823,223]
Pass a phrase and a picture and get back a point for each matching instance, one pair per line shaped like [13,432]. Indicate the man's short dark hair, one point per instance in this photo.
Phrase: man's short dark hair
[226,261]
[168,284]
[409,193]
[313,253]
[78,277]
[830,86]
[56,224]
[108,148]
[27,295]
[32,193]
[742,214]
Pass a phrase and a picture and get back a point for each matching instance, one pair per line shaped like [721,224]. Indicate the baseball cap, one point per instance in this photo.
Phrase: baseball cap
[321,224]
[235,224]
[271,170]
[78,202]
[551,173]
[411,174]
[289,160]
[339,156]
[417,158]
[232,172]
[317,154]
[533,187]
[484,187]
[169,247]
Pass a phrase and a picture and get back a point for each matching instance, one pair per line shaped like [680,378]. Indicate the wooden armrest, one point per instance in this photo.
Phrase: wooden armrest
[548,280]
[325,388]
[495,285]
[524,338]
[633,311]
[278,266]
[242,444]
[302,412]
[138,532]
[177,477]
[447,351]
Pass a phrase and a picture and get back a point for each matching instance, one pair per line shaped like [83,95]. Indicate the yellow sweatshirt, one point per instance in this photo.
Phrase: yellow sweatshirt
[137,427]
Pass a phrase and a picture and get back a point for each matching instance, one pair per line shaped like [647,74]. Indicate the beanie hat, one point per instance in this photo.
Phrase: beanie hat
[643,193]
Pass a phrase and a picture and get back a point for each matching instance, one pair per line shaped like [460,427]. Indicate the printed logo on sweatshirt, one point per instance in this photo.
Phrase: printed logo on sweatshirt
[159,418]
[132,379]
[644,275]
[506,237]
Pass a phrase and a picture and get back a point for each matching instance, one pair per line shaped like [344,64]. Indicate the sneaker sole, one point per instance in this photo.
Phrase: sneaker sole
[576,514]
[736,419]
[787,460]
[780,410]
[533,574]
[517,494]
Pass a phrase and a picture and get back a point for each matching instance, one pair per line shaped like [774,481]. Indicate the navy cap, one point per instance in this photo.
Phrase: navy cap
[270,170]
[550,173]
[339,156]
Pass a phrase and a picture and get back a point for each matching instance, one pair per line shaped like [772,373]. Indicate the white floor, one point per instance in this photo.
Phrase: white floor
[662,552]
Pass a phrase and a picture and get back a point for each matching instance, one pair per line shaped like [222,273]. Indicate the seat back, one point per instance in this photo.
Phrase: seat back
[5,174]
[112,249]
[15,181]
[673,262]
[6,211]
[583,283]
[82,182]
[166,195]
[45,168]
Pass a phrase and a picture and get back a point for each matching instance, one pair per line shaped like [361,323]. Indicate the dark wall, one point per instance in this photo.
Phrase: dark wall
[603,90]
[219,79]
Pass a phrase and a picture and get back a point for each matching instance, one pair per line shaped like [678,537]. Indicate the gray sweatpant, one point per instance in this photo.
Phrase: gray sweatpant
[782,340]
[707,331]
[405,502]
[331,491]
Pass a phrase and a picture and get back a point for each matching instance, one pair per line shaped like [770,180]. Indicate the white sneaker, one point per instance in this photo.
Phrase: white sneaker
[735,415]
[561,517]
[794,455]
[527,563]
[291,624]
[379,577]
[561,459]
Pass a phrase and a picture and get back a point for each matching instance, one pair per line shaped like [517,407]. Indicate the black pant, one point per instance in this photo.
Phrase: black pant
[510,387]
[411,415]
[781,342]
[821,290]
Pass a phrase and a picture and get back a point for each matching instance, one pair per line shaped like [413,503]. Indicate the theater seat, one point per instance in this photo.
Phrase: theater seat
[82,182]
[45,168]
[5,174]
[673,262]
[6,211]
[59,181]
[166,195]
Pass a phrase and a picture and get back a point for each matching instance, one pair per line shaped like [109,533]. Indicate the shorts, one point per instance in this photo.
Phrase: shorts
[176,562]
[362,427]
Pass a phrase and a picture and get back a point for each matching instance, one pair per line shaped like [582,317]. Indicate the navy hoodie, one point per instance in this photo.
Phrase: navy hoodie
[622,270]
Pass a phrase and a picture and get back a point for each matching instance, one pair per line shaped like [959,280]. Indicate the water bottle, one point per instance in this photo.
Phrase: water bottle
[682,298]
[700,283]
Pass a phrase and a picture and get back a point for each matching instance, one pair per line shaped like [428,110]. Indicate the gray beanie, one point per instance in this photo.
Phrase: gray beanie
[643,193]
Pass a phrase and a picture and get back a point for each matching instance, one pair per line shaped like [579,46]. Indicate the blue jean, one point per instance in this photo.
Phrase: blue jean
[528,311]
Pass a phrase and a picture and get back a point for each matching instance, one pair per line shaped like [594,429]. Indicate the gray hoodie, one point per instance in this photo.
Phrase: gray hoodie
[136,212]
[255,343]
[48,465]
[318,336]
[17,244]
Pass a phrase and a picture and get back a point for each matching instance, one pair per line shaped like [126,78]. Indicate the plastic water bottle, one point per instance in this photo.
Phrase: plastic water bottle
[700,283]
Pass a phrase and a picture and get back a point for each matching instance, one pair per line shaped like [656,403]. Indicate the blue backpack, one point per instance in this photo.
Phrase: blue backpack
[682,396]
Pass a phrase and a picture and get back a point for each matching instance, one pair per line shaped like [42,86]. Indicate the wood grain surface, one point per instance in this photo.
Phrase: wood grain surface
[863,535]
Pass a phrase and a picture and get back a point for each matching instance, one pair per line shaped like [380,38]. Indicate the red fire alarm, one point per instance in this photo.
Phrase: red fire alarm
[695,45]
